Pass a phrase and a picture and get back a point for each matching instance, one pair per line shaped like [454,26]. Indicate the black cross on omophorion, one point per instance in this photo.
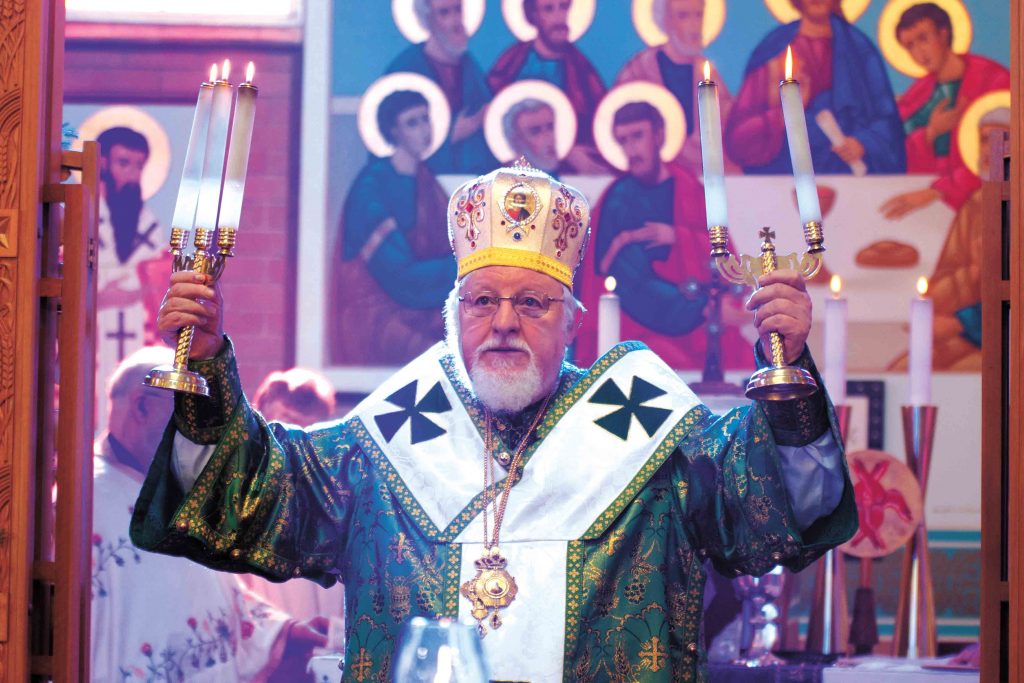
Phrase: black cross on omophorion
[410,410]
[619,421]
[120,334]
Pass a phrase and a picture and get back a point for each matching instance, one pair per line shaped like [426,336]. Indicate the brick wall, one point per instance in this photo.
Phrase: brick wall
[159,65]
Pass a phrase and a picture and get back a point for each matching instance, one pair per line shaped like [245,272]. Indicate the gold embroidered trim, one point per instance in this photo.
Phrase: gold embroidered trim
[393,479]
[657,458]
[452,575]
[520,258]
[573,601]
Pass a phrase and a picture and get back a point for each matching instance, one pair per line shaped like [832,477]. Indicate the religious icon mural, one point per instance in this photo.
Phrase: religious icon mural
[393,266]
[135,207]
[887,86]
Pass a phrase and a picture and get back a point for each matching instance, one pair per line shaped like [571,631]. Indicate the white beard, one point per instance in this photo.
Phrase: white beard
[506,391]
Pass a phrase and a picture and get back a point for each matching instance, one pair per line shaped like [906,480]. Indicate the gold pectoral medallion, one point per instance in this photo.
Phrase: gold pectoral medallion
[490,590]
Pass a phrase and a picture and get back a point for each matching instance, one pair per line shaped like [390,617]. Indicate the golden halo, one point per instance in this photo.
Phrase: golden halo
[440,114]
[967,132]
[565,116]
[637,91]
[408,22]
[581,14]
[897,56]
[649,31]
[154,173]
[785,13]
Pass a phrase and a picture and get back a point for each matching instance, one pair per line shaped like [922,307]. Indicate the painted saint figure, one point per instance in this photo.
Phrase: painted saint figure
[552,57]
[677,65]
[131,237]
[443,59]
[650,235]
[842,73]
[392,269]
[932,106]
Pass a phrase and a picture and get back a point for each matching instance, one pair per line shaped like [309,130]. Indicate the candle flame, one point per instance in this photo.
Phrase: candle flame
[707,70]
[836,285]
[225,69]
[922,286]
[609,284]
[250,71]
[213,73]
[789,63]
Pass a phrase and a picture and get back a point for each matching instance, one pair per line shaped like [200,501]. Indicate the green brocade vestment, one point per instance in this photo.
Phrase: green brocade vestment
[628,484]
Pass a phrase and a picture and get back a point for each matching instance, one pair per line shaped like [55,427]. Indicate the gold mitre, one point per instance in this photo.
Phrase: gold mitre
[519,216]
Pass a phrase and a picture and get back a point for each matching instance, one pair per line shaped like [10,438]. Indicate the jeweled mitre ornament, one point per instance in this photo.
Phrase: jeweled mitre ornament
[519,216]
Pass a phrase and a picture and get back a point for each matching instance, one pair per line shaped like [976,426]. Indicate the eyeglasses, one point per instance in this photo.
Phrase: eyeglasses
[527,304]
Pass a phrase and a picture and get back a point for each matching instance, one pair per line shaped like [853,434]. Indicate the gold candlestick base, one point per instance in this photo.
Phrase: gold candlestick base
[780,384]
[169,377]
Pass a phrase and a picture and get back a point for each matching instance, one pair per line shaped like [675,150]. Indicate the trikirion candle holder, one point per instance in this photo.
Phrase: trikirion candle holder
[779,381]
[209,198]
[914,631]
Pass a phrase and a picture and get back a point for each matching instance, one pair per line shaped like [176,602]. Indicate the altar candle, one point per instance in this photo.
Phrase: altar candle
[608,317]
[921,346]
[835,342]
[238,151]
[191,173]
[216,144]
[799,146]
[711,150]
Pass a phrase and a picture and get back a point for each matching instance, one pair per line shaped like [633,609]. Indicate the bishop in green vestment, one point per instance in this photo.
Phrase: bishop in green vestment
[604,489]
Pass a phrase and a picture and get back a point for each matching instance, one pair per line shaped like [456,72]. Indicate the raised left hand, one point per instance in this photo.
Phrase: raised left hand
[781,304]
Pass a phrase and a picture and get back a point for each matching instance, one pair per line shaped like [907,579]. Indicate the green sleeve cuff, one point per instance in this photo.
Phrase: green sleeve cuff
[800,421]
[202,419]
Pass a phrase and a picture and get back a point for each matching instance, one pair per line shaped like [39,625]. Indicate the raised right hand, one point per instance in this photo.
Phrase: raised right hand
[193,299]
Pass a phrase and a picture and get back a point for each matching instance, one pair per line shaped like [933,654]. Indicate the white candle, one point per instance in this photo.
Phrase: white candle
[216,145]
[608,318]
[711,150]
[238,152]
[835,343]
[799,145]
[921,346]
[191,173]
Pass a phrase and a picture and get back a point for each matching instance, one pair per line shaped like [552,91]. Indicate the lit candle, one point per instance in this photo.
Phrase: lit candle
[921,346]
[238,151]
[835,343]
[216,144]
[799,145]
[608,318]
[711,150]
[191,173]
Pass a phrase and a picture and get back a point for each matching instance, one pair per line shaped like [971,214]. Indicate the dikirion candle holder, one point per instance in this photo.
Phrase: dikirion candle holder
[779,381]
[210,200]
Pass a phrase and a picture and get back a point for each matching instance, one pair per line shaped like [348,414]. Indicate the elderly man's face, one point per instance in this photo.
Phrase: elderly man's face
[506,349]
[926,44]
[446,24]
[536,132]
[551,17]
[684,22]
[641,142]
